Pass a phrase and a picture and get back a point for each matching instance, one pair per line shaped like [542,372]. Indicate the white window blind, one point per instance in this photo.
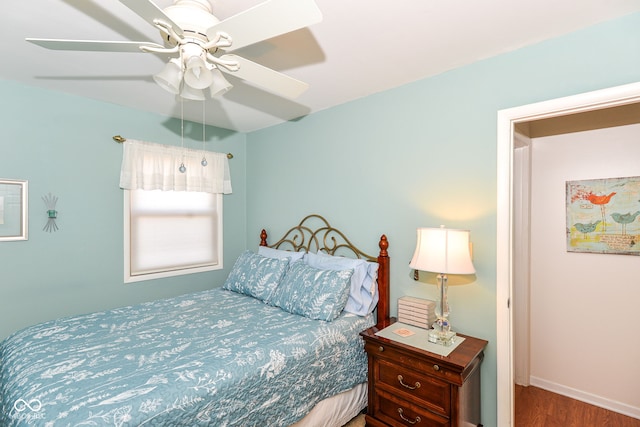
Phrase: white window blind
[172,231]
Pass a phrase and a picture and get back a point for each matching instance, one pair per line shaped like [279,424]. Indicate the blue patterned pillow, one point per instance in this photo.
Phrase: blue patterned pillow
[316,294]
[363,297]
[256,275]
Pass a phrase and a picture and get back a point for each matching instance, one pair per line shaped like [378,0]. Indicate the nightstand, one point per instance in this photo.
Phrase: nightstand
[409,386]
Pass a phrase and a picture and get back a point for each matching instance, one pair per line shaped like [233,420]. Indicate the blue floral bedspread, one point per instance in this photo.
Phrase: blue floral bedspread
[213,358]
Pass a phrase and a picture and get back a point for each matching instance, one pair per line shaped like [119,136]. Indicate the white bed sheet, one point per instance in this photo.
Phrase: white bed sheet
[337,410]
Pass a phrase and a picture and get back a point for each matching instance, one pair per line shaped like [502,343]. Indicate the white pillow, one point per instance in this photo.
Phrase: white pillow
[279,253]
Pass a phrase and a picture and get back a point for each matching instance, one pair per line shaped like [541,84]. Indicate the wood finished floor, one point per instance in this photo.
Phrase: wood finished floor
[535,407]
[356,422]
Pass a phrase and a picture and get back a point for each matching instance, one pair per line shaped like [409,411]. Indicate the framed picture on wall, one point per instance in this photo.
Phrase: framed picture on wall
[603,215]
[13,209]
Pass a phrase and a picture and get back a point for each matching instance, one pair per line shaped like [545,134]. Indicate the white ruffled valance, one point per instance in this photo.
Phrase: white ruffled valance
[151,166]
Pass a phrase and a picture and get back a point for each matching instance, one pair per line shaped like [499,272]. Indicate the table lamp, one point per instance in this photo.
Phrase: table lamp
[442,251]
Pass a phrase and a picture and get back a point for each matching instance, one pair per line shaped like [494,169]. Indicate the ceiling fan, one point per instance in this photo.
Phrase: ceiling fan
[200,44]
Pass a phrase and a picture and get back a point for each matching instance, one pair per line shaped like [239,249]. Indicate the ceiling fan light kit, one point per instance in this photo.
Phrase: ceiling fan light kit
[196,74]
[220,84]
[190,93]
[170,77]
[203,42]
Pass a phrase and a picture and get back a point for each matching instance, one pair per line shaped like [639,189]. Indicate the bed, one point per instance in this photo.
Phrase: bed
[277,344]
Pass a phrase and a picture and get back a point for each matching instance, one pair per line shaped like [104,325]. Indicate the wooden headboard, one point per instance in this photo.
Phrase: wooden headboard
[314,233]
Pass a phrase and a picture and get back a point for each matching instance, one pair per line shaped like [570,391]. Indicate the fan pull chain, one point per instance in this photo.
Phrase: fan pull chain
[182,167]
[204,159]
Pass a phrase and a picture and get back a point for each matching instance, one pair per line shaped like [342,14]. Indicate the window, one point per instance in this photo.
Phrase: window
[171,233]
[172,209]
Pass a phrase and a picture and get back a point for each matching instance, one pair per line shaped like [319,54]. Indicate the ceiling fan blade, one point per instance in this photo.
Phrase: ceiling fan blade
[149,11]
[266,20]
[93,45]
[268,79]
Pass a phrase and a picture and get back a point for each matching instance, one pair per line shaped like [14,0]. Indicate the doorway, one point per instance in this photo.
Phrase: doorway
[509,121]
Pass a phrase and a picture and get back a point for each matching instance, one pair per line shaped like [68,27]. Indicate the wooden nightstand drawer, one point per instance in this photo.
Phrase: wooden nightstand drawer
[424,390]
[415,361]
[398,413]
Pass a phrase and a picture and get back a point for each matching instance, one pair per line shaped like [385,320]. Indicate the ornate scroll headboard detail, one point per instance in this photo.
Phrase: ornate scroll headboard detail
[314,233]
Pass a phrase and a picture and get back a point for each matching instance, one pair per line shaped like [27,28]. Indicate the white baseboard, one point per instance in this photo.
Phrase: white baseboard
[592,399]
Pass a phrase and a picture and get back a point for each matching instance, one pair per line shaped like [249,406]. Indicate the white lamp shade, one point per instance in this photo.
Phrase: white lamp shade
[220,85]
[442,250]
[170,77]
[197,75]
[188,92]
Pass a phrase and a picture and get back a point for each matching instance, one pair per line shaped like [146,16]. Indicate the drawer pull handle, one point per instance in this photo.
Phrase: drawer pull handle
[417,385]
[436,367]
[410,421]
[381,348]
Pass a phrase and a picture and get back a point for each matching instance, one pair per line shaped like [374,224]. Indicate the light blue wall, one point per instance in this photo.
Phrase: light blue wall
[63,145]
[425,155]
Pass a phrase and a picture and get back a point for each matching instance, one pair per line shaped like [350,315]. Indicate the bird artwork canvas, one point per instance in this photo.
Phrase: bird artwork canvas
[603,215]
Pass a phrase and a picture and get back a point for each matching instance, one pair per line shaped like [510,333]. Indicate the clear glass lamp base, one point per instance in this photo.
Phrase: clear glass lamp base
[441,333]
[445,338]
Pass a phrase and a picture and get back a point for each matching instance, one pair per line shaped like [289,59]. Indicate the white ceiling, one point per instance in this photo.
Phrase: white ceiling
[361,47]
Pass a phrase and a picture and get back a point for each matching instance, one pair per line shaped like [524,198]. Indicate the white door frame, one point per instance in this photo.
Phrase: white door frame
[601,99]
